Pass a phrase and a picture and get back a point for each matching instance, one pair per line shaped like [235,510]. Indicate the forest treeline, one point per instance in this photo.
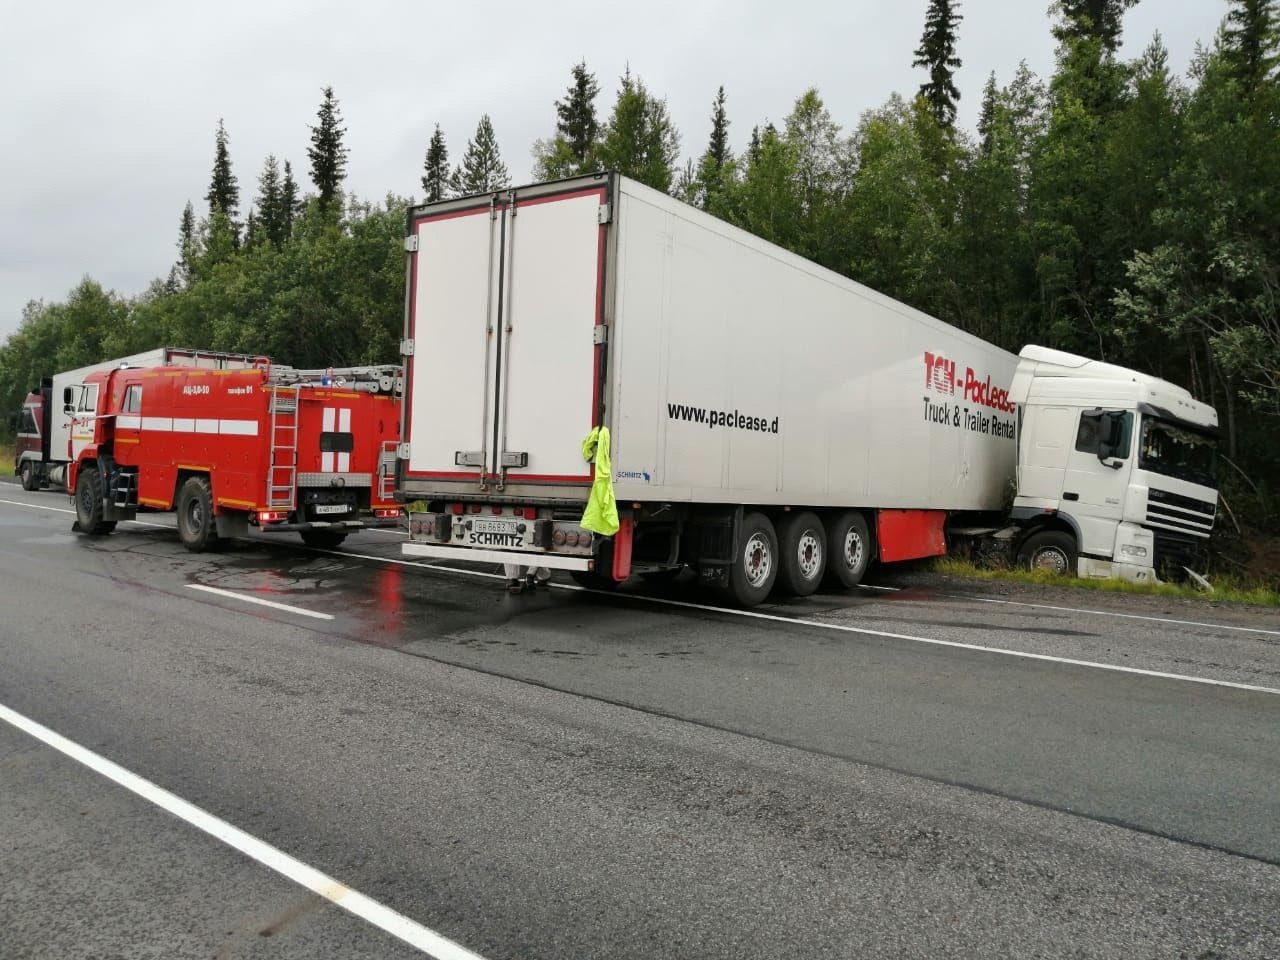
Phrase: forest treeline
[1115,209]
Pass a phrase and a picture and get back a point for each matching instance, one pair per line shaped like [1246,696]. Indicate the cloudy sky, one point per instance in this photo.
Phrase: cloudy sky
[108,110]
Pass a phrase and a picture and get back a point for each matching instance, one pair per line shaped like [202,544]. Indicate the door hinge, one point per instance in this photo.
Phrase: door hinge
[411,244]
[599,334]
[604,213]
[402,451]
[406,348]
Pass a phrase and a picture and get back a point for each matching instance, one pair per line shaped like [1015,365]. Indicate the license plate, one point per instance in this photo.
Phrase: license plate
[331,508]
[494,526]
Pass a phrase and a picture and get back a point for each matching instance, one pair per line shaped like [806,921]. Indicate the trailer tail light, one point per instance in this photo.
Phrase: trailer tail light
[456,509]
[272,516]
[558,538]
[476,508]
[387,513]
[436,527]
[497,511]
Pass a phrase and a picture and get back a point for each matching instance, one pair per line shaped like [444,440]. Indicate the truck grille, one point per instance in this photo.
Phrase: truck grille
[1176,512]
[1175,551]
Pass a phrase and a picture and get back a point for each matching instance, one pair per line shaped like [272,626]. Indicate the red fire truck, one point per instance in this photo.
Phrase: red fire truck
[267,446]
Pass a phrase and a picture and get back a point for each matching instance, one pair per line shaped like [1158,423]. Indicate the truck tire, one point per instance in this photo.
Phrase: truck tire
[803,554]
[28,473]
[755,568]
[89,504]
[323,539]
[1050,550]
[196,526]
[849,548]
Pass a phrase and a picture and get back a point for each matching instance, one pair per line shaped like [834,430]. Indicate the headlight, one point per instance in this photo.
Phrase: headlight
[1133,550]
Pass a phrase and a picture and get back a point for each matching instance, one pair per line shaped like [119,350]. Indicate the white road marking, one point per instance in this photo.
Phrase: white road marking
[41,506]
[1113,613]
[354,902]
[258,600]
[844,628]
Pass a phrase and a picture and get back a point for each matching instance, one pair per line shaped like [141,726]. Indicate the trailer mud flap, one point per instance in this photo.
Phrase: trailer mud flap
[910,534]
[716,543]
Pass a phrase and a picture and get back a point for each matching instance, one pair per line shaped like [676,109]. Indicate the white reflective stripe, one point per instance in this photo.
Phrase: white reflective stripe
[326,463]
[127,421]
[206,426]
[344,420]
[344,462]
[184,425]
[240,428]
[157,423]
[327,424]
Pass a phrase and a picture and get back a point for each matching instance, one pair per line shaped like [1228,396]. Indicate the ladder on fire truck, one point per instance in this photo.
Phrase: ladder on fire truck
[282,472]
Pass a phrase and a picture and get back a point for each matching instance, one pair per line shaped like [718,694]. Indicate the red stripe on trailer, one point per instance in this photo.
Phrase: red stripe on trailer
[622,549]
[910,534]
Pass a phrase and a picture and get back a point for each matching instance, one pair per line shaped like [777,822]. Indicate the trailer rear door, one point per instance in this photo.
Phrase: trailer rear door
[505,298]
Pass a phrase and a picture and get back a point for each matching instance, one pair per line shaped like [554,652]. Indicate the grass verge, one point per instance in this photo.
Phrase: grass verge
[1224,588]
[6,457]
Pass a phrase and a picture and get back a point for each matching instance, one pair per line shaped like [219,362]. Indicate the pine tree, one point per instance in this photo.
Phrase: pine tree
[482,169]
[576,117]
[269,206]
[224,191]
[937,54]
[435,177]
[288,202]
[640,139]
[1249,39]
[1092,19]
[327,152]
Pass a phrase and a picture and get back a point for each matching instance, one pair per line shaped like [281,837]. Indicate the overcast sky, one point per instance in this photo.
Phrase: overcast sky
[108,110]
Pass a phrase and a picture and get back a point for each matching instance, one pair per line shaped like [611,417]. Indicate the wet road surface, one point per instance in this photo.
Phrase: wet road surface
[575,774]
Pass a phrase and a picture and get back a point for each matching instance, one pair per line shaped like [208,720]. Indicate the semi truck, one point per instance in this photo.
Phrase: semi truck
[232,447]
[771,423]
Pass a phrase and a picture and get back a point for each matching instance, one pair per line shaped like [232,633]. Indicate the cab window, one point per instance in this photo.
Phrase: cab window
[1100,428]
[132,399]
[28,422]
[88,398]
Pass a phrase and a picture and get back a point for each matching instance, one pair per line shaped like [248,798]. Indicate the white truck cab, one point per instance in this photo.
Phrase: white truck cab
[1116,469]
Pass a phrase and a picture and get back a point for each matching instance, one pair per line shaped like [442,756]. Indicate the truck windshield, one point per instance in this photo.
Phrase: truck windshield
[1176,451]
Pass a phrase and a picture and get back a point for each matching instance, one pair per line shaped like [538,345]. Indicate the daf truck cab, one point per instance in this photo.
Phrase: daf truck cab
[1116,469]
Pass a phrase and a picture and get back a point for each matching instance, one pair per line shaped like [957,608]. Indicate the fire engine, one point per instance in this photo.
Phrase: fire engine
[262,445]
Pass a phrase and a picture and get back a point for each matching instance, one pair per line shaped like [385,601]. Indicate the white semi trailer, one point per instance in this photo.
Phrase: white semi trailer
[771,422]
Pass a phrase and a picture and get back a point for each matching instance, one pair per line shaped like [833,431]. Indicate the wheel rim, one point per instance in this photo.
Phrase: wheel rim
[1053,559]
[195,515]
[852,549]
[809,555]
[86,500]
[757,560]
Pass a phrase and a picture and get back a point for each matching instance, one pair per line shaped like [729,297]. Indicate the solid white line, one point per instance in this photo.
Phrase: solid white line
[354,902]
[258,600]
[1113,613]
[843,628]
[41,506]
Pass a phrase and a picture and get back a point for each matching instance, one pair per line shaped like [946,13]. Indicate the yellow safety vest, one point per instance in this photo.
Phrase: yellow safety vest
[601,515]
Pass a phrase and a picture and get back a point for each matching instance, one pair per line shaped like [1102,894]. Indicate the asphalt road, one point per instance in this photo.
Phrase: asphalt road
[577,775]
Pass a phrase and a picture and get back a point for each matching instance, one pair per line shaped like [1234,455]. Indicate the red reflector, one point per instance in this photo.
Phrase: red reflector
[456,508]
[475,508]
[530,513]
[497,511]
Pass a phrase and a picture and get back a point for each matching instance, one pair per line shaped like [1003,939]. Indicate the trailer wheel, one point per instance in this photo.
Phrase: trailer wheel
[803,554]
[755,568]
[324,539]
[196,526]
[1050,550]
[28,472]
[89,504]
[848,548]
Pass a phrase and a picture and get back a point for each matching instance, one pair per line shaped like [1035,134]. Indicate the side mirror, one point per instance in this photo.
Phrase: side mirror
[68,408]
[1112,433]
[68,397]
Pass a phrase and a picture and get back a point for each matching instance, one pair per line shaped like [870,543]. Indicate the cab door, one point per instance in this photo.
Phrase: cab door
[1097,476]
[83,417]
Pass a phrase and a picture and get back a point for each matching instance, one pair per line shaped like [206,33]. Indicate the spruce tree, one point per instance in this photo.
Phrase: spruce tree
[710,179]
[188,245]
[1092,19]
[937,54]
[640,139]
[987,116]
[576,117]
[482,169]
[268,202]
[288,202]
[435,177]
[1249,38]
[327,152]
[224,191]
[718,146]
